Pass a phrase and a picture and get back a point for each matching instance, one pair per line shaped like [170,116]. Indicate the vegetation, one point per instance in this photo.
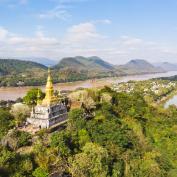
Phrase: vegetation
[20,112]
[83,63]
[171,78]
[9,66]
[113,134]
[25,73]
[32,96]
[6,122]
[18,72]
[16,139]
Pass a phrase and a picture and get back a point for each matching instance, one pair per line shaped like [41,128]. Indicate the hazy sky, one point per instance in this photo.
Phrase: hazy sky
[116,30]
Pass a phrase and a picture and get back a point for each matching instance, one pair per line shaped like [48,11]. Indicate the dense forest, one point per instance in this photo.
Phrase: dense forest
[113,134]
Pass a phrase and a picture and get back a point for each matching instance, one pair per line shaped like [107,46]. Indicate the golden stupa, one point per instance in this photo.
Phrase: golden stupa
[50,98]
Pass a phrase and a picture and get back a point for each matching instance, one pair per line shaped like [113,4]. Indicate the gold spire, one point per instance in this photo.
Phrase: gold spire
[38,97]
[49,97]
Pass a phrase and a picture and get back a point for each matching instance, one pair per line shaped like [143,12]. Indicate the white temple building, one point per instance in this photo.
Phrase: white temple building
[49,111]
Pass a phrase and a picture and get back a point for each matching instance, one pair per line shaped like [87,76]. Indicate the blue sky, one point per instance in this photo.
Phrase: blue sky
[116,30]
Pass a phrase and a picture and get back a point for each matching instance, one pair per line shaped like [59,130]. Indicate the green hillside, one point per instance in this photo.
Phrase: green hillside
[11,66]
[20,73]
[119,133]
[83,63]
[81,68]
[69,63]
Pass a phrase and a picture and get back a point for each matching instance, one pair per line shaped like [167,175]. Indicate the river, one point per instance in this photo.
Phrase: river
[172,101]
[12,93]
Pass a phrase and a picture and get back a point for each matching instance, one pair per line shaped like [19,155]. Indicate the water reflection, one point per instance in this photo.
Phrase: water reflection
[172,101]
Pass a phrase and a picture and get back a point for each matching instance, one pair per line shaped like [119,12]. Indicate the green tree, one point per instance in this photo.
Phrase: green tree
[40,172]
[91,162]
[32,96]
[60,140]
[6,157]
[83,137]
[76,120]
[16,139]
[20,112]
[118,169]
[6,122]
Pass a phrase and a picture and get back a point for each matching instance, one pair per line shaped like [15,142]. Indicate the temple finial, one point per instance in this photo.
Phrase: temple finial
[49,71]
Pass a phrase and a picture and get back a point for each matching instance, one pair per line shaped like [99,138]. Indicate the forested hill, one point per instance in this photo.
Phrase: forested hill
[83,63]
[12,66]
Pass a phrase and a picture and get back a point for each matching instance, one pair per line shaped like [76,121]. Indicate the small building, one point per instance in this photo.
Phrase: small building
[49,111]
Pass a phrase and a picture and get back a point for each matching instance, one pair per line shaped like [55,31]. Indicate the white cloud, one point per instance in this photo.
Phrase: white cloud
[61,11]
[69,1]
[3,33]
[58,12]
[14,45]
[106,21]
[83,39]
[13,3]
[103,21]
[131,41]
[23,2]
[83,33]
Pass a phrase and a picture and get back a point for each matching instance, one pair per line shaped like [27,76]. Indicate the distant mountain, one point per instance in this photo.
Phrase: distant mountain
[83,63]
[166,66]
[44,61]
[95,66]
[139,66]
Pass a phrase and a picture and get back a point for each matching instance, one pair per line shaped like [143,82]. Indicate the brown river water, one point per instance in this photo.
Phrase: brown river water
[12,93]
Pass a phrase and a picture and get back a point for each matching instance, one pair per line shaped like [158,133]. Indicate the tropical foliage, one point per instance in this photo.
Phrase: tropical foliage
[114,134]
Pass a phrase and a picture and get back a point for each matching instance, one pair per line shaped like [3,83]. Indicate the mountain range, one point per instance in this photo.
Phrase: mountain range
[136,66]
[42,60]
[139,66]
[167,66]
[72,69]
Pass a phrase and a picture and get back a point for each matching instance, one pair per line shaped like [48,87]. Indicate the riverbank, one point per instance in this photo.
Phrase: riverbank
[12,93]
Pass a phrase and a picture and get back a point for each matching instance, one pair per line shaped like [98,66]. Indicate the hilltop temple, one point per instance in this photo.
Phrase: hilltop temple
[50,111]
